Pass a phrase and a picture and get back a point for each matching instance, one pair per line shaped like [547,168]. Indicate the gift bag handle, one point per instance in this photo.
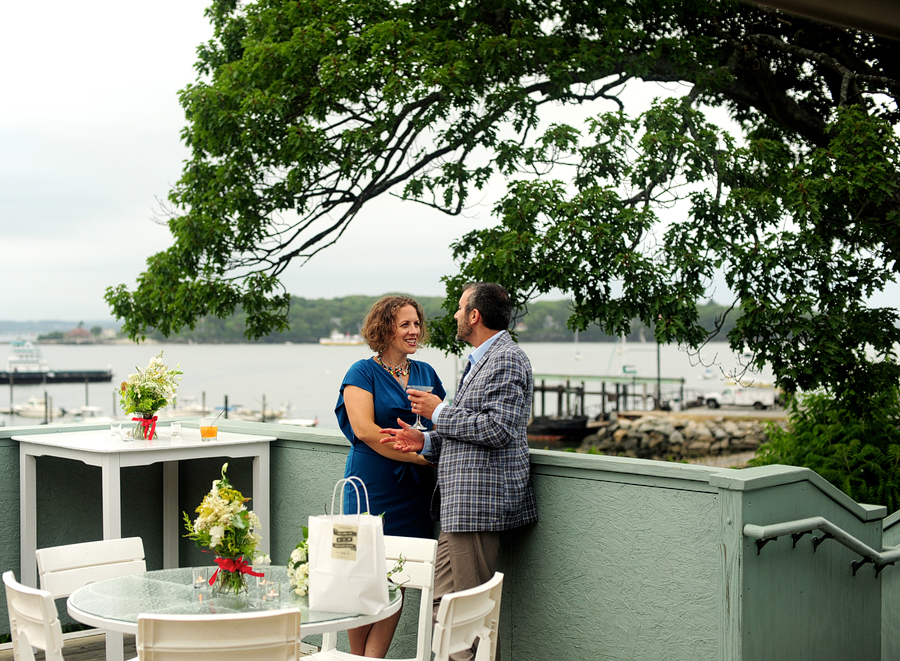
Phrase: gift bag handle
[352,480]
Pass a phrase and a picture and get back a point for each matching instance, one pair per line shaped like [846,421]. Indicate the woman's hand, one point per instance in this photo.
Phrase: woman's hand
[361,412]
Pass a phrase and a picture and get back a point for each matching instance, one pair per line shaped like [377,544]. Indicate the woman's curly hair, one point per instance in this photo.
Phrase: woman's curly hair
[378,327]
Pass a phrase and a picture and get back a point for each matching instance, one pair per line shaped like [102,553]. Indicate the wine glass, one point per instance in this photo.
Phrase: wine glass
[419,424]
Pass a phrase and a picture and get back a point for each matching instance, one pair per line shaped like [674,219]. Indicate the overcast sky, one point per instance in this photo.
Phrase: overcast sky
[90,141]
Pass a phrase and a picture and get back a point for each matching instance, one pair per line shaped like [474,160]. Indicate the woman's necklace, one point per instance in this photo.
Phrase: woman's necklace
[397,371]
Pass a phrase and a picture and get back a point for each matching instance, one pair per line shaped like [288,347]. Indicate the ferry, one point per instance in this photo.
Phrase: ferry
[25,357]
[26,365]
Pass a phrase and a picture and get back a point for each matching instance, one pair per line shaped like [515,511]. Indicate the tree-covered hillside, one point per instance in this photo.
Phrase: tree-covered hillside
[310,319]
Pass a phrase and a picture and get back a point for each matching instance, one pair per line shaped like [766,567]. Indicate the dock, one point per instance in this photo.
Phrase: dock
[616,393]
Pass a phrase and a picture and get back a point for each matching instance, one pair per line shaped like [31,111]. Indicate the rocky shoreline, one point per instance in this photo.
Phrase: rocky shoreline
[677,437]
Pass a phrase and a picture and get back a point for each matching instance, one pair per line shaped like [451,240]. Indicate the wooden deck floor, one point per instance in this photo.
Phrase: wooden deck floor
[93,648]
[88,648]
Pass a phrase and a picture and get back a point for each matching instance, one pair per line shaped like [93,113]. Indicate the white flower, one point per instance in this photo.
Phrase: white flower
[299,579]
[298,555]
[262,560]
[216,533]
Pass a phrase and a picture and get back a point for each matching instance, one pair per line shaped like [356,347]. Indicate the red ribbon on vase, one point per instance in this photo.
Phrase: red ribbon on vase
[234,565]
[148,422]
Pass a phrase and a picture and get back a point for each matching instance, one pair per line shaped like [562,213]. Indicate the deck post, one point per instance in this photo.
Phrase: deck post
[543,398]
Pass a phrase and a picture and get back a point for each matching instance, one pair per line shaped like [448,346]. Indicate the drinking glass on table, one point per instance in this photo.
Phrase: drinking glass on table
[208,429]
[419,424]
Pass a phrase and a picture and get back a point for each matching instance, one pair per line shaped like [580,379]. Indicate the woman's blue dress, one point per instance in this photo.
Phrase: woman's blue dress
[399,491]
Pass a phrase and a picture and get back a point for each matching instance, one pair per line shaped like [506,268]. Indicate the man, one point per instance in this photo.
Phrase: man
[479,444]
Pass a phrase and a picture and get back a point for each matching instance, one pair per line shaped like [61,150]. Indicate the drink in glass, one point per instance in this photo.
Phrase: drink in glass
[419,424]
[208,429]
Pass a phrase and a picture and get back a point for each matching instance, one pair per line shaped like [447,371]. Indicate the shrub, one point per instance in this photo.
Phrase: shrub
[856,450]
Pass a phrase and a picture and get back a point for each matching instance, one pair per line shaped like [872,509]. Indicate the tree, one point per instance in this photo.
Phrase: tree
[304,111]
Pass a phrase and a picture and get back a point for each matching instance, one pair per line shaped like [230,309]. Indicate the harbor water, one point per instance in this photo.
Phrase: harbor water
[302,380]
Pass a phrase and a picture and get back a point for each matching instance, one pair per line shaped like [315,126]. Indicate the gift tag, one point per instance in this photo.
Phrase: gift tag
[343,544]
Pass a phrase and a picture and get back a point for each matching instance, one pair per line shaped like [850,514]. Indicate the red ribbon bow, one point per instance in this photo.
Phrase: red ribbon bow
[148,422]
[234,565]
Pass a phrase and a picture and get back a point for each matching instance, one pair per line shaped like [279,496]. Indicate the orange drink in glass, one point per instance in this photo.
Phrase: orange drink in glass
[208,429]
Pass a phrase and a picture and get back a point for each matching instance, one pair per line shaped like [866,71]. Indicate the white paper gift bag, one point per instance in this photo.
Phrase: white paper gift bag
[347,564]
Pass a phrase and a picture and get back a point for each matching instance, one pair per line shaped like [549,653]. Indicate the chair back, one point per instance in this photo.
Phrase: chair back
[466,616]
[64,569]
[420,556]
[33,621]
[265,636]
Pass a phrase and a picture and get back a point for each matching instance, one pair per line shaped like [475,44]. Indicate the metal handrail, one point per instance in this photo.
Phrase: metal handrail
[796,529]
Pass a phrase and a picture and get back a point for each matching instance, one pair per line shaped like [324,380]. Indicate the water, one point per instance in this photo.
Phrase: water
[304,378]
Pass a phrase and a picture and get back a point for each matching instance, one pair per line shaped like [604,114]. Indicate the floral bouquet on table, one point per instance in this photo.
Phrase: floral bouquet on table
[146,392]
[227,528]
[298,566]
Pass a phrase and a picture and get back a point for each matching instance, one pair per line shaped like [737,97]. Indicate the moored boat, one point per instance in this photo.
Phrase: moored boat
[337,339]
[86,414]
[35,407]
[299,422]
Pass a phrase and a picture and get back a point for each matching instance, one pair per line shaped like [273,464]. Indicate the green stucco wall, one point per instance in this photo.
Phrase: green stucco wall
[805,604]
[630,559]
[890,595]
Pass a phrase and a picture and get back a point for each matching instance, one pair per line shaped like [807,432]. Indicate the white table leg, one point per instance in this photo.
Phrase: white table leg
[171,525]
[261,495]
[27,517]
[115,646]
[111,479]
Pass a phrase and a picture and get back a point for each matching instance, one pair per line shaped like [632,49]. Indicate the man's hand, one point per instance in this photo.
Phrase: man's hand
[405,439]
[423,403]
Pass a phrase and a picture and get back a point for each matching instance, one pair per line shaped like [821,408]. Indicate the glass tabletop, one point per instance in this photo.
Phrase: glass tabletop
[119,601]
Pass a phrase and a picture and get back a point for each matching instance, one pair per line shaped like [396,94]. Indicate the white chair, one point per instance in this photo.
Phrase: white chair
[468,615]
[418,573]
[64,569]
[265,636]
[33,621]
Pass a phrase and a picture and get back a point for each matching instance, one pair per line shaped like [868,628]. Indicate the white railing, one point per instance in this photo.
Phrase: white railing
[796,529]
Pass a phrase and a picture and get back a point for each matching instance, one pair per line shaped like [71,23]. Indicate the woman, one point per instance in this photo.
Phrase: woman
[373,395]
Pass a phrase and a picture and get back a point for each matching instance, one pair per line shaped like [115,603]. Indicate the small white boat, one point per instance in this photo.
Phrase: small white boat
[252,415]
[186,406]
[299,422]
[25,357]
[34,407]
[87,414]
[338,339]
[709,373]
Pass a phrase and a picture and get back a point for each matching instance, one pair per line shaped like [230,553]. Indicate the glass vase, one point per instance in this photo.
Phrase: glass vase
[230,583]
[145,428]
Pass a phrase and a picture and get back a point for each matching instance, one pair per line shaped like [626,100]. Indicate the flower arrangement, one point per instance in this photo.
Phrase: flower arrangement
[227,528]
[298,566]
[147,391]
